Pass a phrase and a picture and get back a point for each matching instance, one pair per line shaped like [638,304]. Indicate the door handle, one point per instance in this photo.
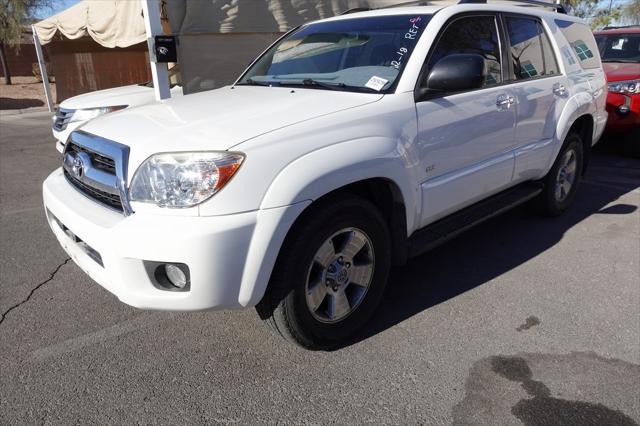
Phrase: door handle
[504,102]
[559,89]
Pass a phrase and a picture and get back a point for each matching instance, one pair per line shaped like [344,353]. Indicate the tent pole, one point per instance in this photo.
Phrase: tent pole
[153,26]
[43,69]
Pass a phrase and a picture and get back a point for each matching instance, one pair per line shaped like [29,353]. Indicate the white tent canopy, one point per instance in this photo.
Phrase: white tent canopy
[111,23]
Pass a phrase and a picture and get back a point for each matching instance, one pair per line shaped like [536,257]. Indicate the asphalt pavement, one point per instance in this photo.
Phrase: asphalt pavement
[523,320]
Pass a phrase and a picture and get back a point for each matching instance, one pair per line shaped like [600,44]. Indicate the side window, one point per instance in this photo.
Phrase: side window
[582,42]
[531,52]
[473,34]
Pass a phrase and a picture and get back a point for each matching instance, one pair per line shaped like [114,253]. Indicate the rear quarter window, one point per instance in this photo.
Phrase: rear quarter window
[582,42]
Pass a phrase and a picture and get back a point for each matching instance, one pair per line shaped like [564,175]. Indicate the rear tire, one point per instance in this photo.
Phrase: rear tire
[562,181]
[330,274]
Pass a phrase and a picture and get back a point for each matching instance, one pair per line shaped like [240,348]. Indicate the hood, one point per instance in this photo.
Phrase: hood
[618,71]
[133,95]
[218,119]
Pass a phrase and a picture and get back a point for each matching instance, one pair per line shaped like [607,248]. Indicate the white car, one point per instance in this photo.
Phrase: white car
[350,145]
[75,111]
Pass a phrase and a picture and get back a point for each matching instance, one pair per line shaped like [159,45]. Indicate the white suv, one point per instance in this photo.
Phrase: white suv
[350,145]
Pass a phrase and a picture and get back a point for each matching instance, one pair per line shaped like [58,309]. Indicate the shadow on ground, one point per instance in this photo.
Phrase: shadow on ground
[11,103]
[500,245]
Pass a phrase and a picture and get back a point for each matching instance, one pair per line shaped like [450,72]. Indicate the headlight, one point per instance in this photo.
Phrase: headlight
[89,113]
[183,179]
[630,87]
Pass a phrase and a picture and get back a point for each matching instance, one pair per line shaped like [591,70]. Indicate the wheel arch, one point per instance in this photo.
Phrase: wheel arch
[369,168]
[577,116]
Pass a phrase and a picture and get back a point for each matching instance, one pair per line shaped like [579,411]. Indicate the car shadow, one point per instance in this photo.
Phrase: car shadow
[499,245]
[12,103]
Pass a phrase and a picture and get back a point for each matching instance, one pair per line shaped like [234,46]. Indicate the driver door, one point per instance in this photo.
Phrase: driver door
[465,140]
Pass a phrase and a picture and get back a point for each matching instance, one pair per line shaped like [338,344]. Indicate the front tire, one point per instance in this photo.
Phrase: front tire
[330,274]
[562,181]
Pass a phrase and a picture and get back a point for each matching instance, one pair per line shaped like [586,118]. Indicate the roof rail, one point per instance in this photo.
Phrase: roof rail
[555,5]
[355,10]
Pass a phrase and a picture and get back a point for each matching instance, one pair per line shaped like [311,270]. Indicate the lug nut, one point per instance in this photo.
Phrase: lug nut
[348,265]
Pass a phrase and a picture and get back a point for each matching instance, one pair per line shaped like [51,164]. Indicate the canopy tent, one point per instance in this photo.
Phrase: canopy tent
[81,43]
[111,23]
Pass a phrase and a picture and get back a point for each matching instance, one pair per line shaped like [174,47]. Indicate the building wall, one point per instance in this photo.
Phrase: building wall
[83,65]
[21,62]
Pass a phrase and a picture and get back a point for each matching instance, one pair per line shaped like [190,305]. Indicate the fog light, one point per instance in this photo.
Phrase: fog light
[168,276]
[176,276]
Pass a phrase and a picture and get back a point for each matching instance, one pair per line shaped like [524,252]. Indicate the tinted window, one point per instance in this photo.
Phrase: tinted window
[619,47]
[472,35]
[530,52]
[582,42]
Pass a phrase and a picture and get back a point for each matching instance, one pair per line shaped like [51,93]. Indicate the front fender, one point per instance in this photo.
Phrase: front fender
[308,178]
[327,169]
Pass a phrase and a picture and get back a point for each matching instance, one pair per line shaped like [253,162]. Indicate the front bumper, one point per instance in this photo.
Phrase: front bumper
[215,249]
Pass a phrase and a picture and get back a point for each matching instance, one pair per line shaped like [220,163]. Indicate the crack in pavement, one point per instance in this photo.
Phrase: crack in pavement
[17,305]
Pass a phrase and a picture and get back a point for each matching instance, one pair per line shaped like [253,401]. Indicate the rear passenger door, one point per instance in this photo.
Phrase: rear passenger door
[465,139]
[540,91]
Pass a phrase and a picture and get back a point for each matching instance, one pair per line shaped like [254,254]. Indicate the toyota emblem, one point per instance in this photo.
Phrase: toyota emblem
[77,168]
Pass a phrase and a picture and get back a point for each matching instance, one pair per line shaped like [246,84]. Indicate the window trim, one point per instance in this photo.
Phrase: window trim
[424,69]
[512,74]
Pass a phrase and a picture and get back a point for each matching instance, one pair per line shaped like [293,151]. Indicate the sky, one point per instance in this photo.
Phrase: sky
[58,6]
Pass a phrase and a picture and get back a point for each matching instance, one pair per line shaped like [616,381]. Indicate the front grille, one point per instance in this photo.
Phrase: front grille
[103,197]
[99,161]
[97,167]
[63,116]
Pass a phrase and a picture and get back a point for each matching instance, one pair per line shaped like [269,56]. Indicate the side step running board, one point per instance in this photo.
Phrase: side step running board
[451,226]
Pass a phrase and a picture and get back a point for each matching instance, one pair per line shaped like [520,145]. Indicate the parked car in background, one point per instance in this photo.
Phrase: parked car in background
[74,112]
[620,52]
[350,145]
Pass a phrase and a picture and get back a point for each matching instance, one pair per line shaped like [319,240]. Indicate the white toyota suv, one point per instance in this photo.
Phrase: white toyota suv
[350,145]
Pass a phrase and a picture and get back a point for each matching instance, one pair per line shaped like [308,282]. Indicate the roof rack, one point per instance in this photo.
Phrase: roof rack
[555,5]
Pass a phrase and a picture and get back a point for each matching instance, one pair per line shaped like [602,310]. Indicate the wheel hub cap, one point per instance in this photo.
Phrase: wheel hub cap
[566,175]
[339,275]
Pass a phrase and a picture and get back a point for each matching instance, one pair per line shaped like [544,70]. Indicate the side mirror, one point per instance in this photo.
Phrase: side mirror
[455,73]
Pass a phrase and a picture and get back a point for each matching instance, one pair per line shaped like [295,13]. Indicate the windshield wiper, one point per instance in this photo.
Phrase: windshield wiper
[621,60]
[252,82]
[330,86]
[312,82]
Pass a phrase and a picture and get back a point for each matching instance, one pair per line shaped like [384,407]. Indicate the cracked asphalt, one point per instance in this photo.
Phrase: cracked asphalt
[522,320]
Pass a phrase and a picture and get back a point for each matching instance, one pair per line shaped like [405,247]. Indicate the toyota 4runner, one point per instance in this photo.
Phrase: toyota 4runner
[350,145]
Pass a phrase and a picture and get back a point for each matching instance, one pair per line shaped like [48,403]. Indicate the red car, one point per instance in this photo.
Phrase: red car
[620,51]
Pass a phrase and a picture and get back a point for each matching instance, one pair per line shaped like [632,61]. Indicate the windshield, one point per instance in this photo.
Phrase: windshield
[359,54]
[619,47]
